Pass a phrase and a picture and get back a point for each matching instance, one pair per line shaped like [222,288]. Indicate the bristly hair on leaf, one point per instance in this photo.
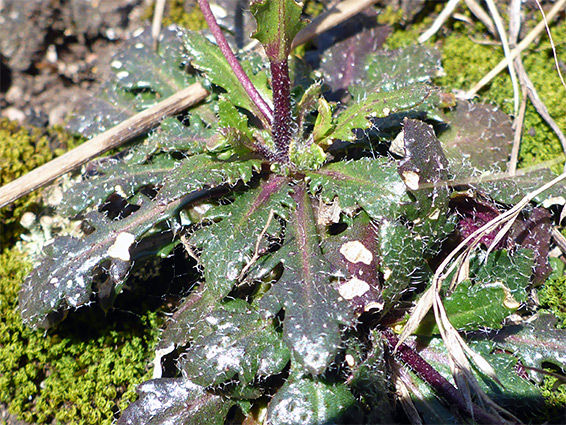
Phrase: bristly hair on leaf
[312,228]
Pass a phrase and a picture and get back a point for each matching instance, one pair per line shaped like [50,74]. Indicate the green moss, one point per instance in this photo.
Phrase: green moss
[552,296]
[84,372]
[554,392]
[22,150]
[466,61]
[175,13]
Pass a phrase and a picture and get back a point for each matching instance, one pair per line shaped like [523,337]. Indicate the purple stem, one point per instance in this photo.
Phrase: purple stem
[264,109]
[431,376]
[282,105]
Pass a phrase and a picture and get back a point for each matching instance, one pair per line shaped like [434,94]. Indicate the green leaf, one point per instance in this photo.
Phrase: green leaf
[307,104]
[208,58]
[203,172]
[278,22]
[535,343]
[393,70]
[65,275]
[372,184]
[140,77]
[371,379]
[497,287]
[234,340]
[309,402]
[172,136]
[379,105]
[175,401]
[323,125]
[229,243]
[114,176]
[359,237]
[313,308]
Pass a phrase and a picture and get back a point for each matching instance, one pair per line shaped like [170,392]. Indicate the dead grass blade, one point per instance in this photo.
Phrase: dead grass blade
[557,8]
[505,43]
[437,24]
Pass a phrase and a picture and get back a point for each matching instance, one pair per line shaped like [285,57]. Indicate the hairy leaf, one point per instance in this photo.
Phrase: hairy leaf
[278,22]
[228,244]
[175,401]
[234,340]
[202,172]
[371,379]
[393,70]
[497,287]
[379,105]
[309,402]
[342,64]
[114,176]
[140,78]
[478,138]
[65,276]
[354,252]
[372,184]
[314,310]
[208,58]
[534,343]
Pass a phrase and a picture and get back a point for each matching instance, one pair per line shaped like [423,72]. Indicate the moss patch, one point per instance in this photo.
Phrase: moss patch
[22,150]
[83,372]
[189,17]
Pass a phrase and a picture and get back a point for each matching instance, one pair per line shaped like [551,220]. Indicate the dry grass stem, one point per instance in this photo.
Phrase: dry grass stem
[518,127]
[559,6]
[116,136]
[481,14]
[458,350]
[551,43]
[156,22]
[330,18]
[439,21]
[505,43]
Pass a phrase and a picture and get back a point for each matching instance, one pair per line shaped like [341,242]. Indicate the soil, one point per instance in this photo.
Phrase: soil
[53,52]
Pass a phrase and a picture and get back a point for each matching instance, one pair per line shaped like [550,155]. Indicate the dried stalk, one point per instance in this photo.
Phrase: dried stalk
[116,136]
[540,27]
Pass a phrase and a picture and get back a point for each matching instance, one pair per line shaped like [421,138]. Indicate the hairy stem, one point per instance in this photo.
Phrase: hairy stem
[264,109]
[282,122]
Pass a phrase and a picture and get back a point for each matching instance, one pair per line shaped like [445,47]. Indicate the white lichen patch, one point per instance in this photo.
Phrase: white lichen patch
[121,247]
[374,306]
[350,360]
[435,214]
[353,288]
[356,252]
[411,179]
[387,273]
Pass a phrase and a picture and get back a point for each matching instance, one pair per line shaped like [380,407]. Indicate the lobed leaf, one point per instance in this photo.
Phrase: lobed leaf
[201,172]
[228,243]
[278,22]
[234,340]
[534,343]
[207,57]
[175,401]
[393,70]
[372,184]
[314,310]
[379,105]
[66,273]
[141,77]
[310,402]
[114,176]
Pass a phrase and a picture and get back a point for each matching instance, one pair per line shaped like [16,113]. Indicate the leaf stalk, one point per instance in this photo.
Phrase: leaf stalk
[264,109]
